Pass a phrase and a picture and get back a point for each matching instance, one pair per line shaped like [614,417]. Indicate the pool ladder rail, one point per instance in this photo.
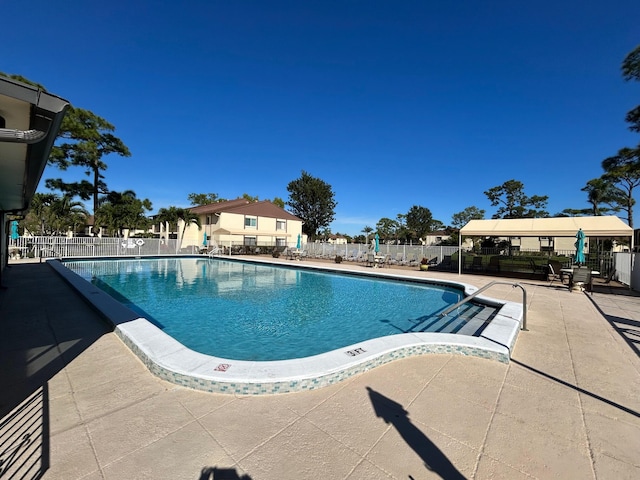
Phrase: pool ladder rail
[491,284]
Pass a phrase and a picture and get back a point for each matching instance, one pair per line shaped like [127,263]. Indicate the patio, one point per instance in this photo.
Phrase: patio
[76,403]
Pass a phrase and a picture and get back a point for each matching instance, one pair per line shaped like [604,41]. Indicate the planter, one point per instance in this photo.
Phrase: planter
[424,267]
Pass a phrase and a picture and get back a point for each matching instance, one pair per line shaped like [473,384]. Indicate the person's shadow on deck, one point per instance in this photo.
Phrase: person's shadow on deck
[393,413]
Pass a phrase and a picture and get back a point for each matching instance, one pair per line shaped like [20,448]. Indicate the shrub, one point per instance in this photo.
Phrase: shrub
[338,259]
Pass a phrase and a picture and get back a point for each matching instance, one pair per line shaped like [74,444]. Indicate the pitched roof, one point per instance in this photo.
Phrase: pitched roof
[600,226]
[242,206]
[218,207]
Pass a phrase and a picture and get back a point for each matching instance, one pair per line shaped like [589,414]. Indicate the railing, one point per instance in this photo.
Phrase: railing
[43,246]
[490,284]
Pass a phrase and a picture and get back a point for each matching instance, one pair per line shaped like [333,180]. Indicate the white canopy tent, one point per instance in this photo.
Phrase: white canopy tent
[596,226]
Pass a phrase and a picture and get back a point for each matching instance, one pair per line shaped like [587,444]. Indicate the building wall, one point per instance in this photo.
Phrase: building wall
[265,232]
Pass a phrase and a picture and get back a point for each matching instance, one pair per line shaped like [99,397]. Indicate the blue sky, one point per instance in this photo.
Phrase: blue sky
[393,104]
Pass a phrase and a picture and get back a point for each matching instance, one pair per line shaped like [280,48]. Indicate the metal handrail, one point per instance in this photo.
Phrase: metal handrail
[490,284]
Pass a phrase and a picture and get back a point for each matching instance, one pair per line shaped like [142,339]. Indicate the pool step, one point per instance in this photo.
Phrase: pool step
[471,321]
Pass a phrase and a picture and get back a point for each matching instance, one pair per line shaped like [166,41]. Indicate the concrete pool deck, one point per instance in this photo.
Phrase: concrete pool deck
[76,403]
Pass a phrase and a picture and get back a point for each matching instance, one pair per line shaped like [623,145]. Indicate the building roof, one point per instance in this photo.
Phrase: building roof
[242,206]
[29,123]
[598,226]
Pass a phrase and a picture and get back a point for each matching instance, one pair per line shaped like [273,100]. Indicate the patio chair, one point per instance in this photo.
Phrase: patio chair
[384,261]
[494,264]
[554,271]
[476,264]
[446,264]
[581,276]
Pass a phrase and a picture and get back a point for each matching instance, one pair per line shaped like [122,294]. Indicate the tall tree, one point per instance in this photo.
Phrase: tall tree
[387,228]
[623,170]
[600,191]
[174,216]
[85,139]
[631,71]
[122,210]
[460,219]
[68,214]
[278,202]
[251,198]
[514,203]
[312,200]
[419,221]
[198,199]
[367,230]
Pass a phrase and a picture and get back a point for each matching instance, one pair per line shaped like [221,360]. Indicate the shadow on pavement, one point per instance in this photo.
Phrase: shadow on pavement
[433,458]
[45,325]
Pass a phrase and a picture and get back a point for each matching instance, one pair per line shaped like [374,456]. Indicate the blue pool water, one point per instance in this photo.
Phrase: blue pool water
[246,311]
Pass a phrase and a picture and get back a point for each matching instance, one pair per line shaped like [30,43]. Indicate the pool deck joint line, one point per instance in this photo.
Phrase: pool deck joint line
[171,361]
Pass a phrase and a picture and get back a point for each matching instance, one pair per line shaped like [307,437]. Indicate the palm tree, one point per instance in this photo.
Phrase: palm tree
[67,213]
[367,230]
[172,216]
[187,217]
[122,210]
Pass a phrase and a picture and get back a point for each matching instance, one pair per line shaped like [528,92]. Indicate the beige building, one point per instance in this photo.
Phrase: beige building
[240,222]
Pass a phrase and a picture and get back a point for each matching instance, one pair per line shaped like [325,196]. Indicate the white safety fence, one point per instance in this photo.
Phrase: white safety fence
[627,269]
[69,247]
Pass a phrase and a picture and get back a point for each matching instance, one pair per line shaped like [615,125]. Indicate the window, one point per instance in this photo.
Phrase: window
[281,225]
[250,241]
[250,222]
[281,242]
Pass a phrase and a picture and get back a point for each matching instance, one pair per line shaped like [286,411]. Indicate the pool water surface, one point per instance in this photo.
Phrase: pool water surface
[246,311]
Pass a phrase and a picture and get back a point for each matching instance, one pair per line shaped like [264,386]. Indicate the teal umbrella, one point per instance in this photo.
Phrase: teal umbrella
[299,244]
[377,246]
[204,239]
[579,247]
[14,230]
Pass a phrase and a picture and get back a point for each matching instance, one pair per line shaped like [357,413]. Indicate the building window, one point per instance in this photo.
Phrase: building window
[281,225]
[281,242]
[250,222]
[250,241]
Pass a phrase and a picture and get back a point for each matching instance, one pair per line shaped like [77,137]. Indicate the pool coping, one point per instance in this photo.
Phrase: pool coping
[168,359]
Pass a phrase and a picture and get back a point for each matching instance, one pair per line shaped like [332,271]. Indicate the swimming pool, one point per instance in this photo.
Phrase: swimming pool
[172,361]
[248,311]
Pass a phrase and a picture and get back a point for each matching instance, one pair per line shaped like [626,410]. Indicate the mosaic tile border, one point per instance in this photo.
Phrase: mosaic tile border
[171,361]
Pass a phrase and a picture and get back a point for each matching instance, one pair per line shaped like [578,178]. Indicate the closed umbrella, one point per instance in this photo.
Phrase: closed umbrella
[14,230]
[377,245]
[204,239]
[579,247]
[299,244]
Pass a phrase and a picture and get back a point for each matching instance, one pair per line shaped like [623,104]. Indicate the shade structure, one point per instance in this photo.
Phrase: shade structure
[377,243]
[14,230]
[592,226]
[579,247]
[299,244]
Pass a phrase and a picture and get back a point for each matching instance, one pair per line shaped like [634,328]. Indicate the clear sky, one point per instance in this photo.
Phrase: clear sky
[392,103]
